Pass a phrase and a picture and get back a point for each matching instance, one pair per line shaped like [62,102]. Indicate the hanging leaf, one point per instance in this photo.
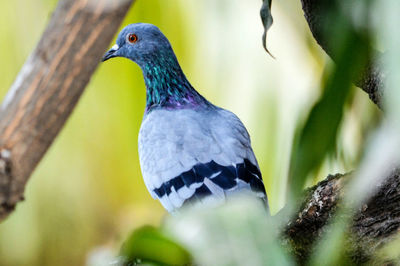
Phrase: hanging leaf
[148,245]
[267,20]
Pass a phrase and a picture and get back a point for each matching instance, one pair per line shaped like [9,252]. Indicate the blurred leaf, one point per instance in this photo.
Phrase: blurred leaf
[318,136]
[238,233]
[390,251]
[352,51]
[267,20]
[331,250]
[148,245]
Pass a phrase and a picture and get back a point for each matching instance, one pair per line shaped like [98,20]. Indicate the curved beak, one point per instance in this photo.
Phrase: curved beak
[110,53]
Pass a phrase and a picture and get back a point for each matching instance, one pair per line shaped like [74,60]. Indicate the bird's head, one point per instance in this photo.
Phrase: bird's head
[139,42]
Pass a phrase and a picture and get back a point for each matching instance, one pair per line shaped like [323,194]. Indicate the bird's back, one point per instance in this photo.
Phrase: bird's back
[191,156]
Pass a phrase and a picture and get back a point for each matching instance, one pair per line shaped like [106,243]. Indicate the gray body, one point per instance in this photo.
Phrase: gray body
[173,141]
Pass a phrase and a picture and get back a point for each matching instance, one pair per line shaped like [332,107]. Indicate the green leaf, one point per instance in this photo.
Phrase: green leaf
[390,251]
[267,20]
[318,136]
[148,245]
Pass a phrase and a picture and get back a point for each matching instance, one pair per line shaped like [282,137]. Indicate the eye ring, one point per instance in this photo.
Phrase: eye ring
[132,38]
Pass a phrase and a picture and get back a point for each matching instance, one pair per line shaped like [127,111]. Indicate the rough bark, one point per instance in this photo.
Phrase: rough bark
[315,12]
[49,86]
[376,223]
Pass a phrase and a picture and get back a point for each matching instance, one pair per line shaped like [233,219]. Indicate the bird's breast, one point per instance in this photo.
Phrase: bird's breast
[167,140]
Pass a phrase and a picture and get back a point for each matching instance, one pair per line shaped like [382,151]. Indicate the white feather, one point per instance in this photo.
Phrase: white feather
[217,191]
[166,203]
[175,199]
[185,192]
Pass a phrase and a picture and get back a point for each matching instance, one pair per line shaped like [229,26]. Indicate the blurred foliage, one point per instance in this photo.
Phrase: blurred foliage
[87,194]
[318,136]
[225,236]
[149,245]
[382,151]
[389,252]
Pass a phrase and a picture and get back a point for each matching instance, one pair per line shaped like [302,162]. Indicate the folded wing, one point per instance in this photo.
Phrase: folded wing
[191,157]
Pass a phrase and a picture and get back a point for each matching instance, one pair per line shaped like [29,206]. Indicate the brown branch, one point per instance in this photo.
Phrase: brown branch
[316,13]
[49,85]
[375,224]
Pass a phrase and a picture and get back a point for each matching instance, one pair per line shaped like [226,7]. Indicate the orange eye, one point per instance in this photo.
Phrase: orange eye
[132,38]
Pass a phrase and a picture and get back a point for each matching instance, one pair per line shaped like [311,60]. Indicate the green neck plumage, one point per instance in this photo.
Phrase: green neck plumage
[166,84]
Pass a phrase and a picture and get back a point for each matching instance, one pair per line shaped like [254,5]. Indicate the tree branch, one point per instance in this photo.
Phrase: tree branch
[315,12]
[49,85]
[375,224]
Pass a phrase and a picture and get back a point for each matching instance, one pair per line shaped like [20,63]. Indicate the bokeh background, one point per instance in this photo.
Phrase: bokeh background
[87,194]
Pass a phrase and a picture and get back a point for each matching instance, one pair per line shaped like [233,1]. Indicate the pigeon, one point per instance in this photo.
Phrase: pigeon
[191,151]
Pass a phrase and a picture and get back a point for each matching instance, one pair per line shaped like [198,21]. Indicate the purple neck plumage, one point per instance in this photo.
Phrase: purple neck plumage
[166,84]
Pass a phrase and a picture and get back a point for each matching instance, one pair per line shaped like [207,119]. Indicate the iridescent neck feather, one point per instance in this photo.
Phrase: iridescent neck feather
[166,84]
